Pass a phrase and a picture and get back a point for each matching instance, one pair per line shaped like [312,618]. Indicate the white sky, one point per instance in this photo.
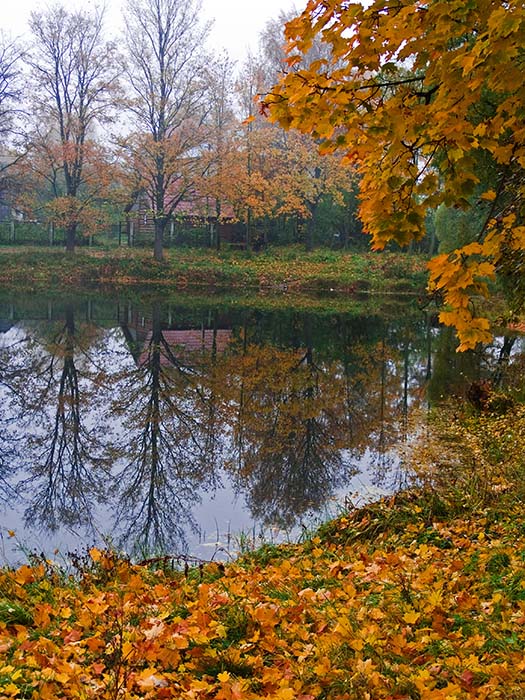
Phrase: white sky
[236,27]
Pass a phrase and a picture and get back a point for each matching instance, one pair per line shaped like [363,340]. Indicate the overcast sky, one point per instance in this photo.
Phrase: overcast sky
[236,26]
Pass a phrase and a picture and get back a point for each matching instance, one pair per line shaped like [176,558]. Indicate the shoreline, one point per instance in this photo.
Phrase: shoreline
[281,271]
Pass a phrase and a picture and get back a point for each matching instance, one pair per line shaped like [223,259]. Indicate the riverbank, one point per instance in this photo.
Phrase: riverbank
[285,270]
[394,601]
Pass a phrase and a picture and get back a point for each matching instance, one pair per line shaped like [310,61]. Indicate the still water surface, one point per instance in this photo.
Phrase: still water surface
[187,428]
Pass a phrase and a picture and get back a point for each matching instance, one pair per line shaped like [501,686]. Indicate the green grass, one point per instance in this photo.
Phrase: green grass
[277,270]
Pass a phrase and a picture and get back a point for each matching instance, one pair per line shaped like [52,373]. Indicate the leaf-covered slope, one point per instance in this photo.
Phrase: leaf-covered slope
[375,606]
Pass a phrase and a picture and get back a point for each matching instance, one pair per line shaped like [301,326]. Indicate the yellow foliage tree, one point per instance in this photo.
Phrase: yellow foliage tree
[415,94]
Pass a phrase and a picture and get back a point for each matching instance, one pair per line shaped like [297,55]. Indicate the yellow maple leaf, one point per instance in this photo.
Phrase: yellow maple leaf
[95,554]
[411,617]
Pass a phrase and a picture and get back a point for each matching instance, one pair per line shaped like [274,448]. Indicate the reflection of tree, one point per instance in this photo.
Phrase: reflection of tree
[385,378]
[9,440]
[67,468]
[288,427]
[294,421]
[453,371]
[501,363]
[170,446]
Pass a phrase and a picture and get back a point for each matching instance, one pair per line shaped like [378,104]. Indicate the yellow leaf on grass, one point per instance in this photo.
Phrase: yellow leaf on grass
[411,617]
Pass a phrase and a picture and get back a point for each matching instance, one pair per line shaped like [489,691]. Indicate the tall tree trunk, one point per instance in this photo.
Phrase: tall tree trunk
[218,224]
[310,226]
[158,244]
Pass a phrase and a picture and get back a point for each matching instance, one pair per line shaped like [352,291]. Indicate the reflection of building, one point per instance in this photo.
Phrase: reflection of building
[188,344]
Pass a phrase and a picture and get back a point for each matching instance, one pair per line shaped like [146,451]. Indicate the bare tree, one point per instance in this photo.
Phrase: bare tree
[165,69]
[272,44]
[75,77]
[10,84]
[11,55]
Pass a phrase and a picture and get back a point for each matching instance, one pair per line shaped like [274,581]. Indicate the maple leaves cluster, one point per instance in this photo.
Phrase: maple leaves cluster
[418,95]
[429,610]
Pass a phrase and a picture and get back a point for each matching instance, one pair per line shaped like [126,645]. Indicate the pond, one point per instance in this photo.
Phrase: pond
[198,427]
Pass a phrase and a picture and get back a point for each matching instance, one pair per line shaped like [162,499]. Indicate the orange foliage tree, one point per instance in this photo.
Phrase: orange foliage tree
[302,178]
[43,190]
[417,94]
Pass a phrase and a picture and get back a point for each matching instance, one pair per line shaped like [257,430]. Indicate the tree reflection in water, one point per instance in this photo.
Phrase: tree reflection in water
[53,385]
[287,421]
[11,438]
[282,407]
[170,446]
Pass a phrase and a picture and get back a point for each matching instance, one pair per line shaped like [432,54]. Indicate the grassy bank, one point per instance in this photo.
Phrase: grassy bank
[419,597]
[283,270]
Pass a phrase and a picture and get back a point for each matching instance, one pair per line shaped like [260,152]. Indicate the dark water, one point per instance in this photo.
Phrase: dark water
[172,427]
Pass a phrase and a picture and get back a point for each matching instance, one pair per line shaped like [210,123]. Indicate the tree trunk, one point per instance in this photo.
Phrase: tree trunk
[158,244]
[310,225]
[248,233]
[309,242]
[71,235]
[218,235]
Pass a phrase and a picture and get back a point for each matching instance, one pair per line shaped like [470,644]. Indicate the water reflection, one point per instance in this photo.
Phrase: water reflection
[125,418]
[49,406]
[169,449]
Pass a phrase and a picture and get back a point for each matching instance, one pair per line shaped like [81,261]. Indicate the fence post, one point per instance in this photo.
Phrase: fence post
[131,233]
[51,233]
[12,230]
[172,227]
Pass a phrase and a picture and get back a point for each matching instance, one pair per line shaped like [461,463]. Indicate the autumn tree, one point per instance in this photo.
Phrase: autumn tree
[165,63]
[286,179]
[303,179]
[253,198]
[42,188]
[222,155]
[75,78]
[414,94]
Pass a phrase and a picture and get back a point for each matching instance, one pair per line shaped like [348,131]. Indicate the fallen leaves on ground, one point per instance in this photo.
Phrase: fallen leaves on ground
[431,610]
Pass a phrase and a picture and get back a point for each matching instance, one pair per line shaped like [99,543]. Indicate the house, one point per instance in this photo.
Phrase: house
[195,220]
